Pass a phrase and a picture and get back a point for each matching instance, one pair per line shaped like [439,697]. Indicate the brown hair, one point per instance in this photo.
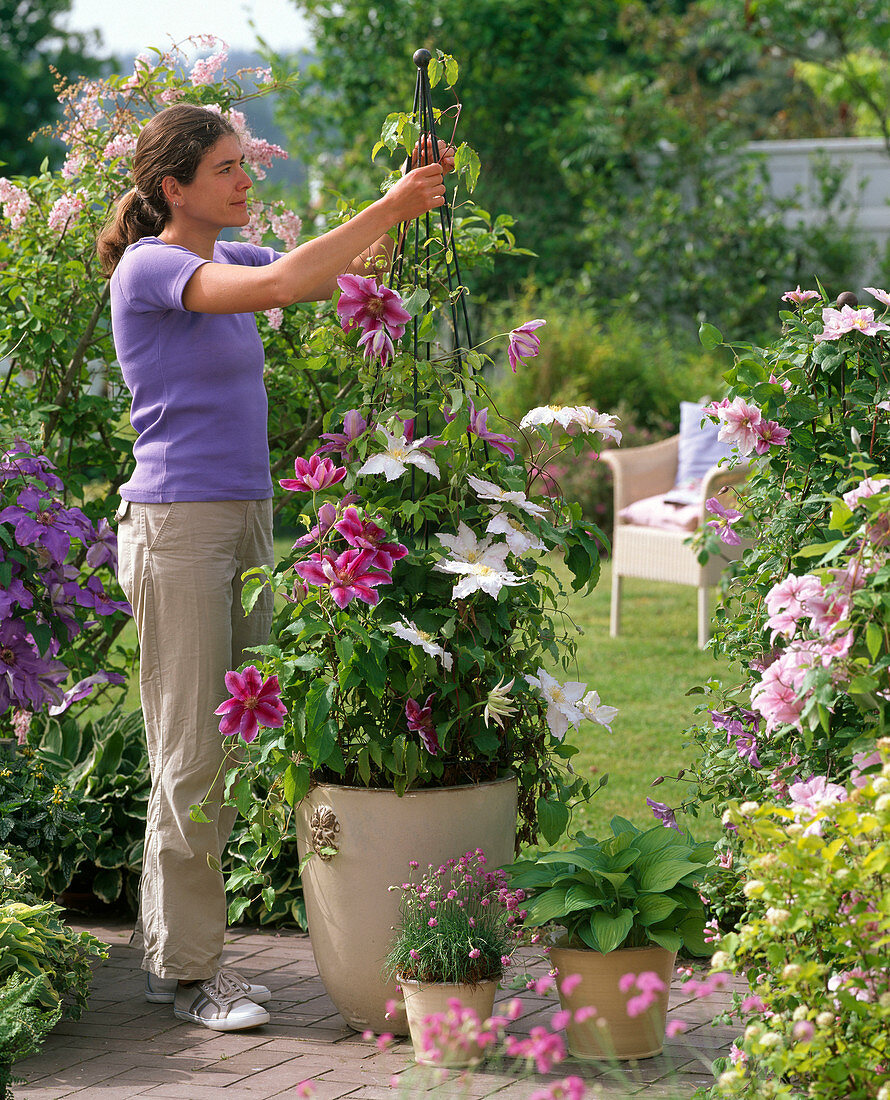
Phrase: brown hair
[171,143]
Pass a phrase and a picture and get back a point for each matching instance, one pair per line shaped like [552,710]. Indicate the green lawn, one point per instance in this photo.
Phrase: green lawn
[645,673]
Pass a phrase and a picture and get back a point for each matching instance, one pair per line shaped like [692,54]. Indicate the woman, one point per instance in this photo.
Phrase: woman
[197,511]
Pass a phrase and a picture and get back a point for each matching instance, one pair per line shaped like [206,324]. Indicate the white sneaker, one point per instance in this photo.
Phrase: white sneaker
[218,1003]
[161,991]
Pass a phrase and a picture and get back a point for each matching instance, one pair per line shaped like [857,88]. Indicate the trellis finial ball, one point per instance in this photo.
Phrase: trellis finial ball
[422,58]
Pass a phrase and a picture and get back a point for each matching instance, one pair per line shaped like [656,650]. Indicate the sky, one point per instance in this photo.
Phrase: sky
[129,26]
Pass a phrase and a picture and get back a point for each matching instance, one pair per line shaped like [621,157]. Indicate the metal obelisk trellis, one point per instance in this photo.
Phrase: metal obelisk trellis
[428,153]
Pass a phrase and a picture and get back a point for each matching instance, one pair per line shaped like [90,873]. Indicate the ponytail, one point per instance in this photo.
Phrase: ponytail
[133,218]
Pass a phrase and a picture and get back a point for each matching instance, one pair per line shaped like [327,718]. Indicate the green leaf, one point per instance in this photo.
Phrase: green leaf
[547,906]
[653,908]
[553,818]
[663,875]
[611,931]
[874,639]
[197,814]
[670,941]
[710,336]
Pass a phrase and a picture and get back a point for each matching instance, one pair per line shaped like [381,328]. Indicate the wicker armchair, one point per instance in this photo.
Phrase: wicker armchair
[654,553]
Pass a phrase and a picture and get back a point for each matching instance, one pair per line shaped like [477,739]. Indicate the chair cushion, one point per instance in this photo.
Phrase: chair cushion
[699,448]
[659,512]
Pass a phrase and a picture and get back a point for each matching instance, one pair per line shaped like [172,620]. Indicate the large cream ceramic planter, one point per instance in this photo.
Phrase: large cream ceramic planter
[350,910]
[610,1032]
[456,1047]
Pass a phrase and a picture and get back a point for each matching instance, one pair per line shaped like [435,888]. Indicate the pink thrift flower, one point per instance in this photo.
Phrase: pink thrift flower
[524,343]
[432,922]
[585,1013]
[626,982]
[637,1005]
[739,422]
[350,575]
[255,702]
[753,1003]
[369,305]
[675,1028]
[475,953]
[313,474]
[384,1041]
[570,984]
[560,1019]
[305,1089]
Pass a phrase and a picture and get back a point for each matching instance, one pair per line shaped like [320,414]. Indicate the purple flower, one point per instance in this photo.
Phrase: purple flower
[769,434]
[255,702]
[27,678]
[84,687]
[45,523]
[745,743]
[354,425]
[663,813]
[478,426]
[327,515]
[313,474]
[93,595]
[370,306]
[20,461]
[420,721]
[104,549]
[524,343]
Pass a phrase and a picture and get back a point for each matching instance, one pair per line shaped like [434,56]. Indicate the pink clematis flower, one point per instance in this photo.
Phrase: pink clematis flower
[788,602]
[351,574]
[726,517]
[369,305]
[881,295]
[738,425]
[478,426]
[354,425]
[769,434]
[808,799]
[420,721]
[255,702]
[313,474]
[366,535]
[799,296]
[524,343]
[837,322]
[378,344]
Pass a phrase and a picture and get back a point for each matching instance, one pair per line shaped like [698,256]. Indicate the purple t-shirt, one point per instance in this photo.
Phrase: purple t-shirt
[199,403]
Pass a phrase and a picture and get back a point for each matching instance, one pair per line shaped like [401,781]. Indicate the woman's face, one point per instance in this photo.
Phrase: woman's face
[218,193]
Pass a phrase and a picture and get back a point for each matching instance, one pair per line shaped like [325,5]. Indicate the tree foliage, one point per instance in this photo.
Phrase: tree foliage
[34,52]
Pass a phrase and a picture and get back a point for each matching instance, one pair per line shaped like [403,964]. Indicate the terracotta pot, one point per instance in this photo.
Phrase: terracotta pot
[611,1033]
[424,1000]
[350,910]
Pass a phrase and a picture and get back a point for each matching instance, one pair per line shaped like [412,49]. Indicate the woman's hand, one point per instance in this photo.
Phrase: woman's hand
[418,191]
[423,154]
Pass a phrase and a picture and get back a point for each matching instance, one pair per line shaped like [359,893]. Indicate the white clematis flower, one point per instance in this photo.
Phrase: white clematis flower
[562,701]
[411,632]
[398,454]
[487,572]
[595,711]
[464,546]
[487,490]
[519,538]
[587,419]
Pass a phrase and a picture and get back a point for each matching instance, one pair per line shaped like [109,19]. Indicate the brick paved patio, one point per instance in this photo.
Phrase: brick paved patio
[124,1047]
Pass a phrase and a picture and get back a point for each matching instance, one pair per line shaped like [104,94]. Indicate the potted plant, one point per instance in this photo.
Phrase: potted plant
[456,932]
[420,616]
[624,907]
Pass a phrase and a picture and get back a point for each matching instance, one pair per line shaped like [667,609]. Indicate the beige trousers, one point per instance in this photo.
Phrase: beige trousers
[180,566]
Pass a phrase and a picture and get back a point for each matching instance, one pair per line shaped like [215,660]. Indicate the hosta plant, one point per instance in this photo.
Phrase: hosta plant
[635,888]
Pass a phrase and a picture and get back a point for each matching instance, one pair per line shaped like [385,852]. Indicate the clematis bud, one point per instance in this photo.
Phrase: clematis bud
[496,706]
